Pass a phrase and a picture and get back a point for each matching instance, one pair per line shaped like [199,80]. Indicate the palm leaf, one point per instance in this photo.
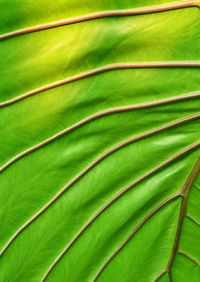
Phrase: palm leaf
[99,138]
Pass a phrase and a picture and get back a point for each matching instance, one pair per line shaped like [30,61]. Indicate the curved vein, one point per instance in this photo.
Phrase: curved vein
[113,200]
[197,187]
[128,12]
[190,258]
[96,116]
[160,275]
[102,157]
[190,64]
[184,193]
[192,219]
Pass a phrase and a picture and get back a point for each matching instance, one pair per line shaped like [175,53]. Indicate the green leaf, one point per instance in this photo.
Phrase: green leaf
[99,138]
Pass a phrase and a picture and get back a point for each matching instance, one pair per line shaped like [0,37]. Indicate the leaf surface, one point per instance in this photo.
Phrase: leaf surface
[99,175]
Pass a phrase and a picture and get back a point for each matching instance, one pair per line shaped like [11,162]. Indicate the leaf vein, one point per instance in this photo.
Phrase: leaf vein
[138,65]
[190,258]
[192,219]
[103,156]
[98,15]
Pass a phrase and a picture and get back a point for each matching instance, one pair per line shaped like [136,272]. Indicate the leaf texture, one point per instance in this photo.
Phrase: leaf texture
[99,138]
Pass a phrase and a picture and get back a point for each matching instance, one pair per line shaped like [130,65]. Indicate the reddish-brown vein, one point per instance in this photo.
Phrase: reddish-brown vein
[184,194]
[187,256]
[96,116]
[160,275]
[192,219]
[101,70]
[137,11]
[103,156]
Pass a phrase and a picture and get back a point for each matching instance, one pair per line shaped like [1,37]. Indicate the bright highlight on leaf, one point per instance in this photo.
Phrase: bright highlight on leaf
[99,138]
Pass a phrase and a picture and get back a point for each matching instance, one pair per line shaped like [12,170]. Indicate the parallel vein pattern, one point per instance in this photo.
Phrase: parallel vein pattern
[124,136]
[95,116]
[140,225]
[102,157]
